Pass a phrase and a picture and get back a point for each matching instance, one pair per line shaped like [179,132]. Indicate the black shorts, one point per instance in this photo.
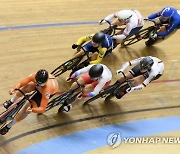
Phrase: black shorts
[135,71]
[37,98]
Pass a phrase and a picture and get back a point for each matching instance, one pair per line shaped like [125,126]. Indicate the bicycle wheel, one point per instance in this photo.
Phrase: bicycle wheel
[66,66]
[56,101]
[11,112]
[142,34]
[79,66]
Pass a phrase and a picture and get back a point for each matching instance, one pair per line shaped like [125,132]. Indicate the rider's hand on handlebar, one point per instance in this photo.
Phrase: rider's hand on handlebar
[146,19]
[74,46]
[12,91]
[29,110]
[128,90]
[101,22]
[119,71]
[68,79]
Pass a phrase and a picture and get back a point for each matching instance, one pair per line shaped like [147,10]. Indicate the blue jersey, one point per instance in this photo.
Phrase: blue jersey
[108,43]
[173,23]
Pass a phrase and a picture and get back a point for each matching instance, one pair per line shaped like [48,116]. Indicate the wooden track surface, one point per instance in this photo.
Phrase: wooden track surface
[24,50]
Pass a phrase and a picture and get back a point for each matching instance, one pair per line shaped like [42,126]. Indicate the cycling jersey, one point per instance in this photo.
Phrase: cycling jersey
[103,50]
[102,80]
[46,91]
[156,69]
[173,22]
[134,24]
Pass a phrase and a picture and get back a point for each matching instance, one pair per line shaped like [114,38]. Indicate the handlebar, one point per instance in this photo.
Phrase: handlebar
[151,20]
[26,96]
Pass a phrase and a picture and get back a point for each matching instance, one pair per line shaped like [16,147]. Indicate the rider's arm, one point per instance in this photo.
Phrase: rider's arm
[101,54]
[130,63]
[125,65]
[83,39]
[126,31]
[109,17]
[24,81]
[154,15]
[81,71]
[97,89]
[119,37]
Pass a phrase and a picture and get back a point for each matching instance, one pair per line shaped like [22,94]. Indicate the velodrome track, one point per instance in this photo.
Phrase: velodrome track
[39,34]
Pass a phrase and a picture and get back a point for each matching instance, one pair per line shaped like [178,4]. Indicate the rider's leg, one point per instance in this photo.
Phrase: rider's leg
[128,76]
[20,116]
[94,56]
[26,89]
[80,53]
[132,74]
[80,81]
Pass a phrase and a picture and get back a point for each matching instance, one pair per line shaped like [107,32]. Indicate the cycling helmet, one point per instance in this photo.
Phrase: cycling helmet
[167,12]
[41,77]
[98,38]
[124,15]
[96,71]
[146,63]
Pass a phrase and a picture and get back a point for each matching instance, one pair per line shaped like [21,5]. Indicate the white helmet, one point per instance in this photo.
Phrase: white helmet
[124,15]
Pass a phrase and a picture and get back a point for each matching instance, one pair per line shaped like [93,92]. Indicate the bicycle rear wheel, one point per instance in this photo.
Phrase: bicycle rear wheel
[56,101]
[68,65]
[142,34]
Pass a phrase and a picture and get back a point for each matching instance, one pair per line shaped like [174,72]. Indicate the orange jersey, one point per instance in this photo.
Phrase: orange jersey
[49,89]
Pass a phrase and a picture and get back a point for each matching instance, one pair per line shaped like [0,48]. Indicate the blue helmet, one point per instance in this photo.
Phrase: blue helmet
[167,12]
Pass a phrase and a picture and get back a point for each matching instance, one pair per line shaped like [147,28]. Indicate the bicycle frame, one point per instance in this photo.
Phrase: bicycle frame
[109,90]
[70,64]
[11,112]
[65,97]
[142,34]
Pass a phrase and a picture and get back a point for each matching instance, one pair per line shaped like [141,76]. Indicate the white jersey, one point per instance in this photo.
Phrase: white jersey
[135,21]
[105,77]
[156,68]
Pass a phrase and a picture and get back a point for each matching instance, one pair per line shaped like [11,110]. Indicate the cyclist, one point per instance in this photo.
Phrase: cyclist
[169,18]
[145,70]
[132,19]
[94,77]
[100,44]
[44,83]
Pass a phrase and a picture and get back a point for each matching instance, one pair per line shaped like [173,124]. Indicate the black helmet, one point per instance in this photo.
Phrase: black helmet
[96,71]
[98,38]
[41,77]
[146,63]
